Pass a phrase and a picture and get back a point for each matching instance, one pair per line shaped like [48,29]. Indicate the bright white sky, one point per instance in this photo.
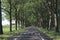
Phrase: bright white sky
[4,20]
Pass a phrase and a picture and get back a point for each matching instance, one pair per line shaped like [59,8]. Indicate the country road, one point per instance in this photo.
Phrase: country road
[30,33]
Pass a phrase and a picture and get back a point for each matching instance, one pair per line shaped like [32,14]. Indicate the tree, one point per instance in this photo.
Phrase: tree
[1,30]
[57,29]
[9,1]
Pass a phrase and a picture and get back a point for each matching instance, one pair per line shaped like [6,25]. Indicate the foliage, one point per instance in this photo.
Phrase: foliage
[32,12]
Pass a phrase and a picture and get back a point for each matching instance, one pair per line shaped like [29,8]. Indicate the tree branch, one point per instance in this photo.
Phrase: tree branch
[5,10]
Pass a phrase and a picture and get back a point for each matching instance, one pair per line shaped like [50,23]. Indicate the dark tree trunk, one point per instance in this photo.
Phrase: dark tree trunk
[16,23]
[10,18]
[16,18]
[1,30]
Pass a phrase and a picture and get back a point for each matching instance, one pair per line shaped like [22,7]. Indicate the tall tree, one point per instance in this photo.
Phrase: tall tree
[57,29]
[1,30]
[10,16]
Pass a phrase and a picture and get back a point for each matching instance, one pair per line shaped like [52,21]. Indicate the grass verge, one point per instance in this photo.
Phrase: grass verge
[50,33]
[7,32]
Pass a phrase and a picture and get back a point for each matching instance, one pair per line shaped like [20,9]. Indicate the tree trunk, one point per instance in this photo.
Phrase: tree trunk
[50,21]
[16,23]
[57,29]
[10,18]
[56,23]
[1,30]
[16,18]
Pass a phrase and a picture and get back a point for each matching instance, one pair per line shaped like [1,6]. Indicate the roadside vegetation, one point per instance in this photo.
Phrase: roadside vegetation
[50,33]
[7,33]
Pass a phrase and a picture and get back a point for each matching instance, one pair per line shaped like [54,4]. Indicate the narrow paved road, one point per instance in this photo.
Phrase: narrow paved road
[30,34]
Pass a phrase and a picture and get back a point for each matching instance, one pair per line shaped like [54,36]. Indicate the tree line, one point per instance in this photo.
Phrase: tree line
[41,13]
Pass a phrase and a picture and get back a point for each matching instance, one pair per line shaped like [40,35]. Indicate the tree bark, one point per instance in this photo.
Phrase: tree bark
[1,30]
[57,29]
[10,18]
[16,18]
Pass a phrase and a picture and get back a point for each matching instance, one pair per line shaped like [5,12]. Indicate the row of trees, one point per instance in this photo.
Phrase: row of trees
[50,19]
[31,12]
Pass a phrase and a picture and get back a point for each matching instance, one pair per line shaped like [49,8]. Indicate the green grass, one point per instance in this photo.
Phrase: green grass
[50,33]
[7,32]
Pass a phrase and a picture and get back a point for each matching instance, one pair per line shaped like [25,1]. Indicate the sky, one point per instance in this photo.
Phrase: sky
[4,20]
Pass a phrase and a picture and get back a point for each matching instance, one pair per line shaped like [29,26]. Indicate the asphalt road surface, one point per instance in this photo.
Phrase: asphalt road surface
[30,33]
